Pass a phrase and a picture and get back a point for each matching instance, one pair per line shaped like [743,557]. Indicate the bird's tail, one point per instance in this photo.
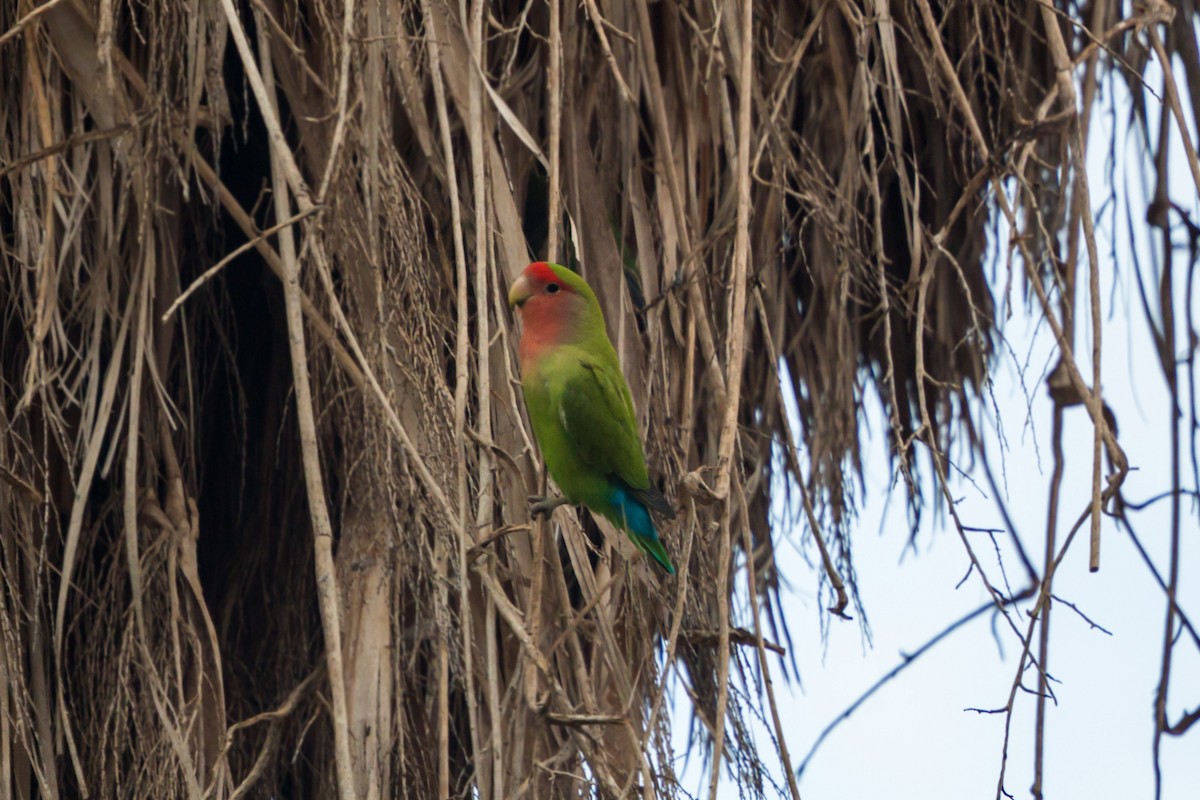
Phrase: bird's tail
[634,518]
[653,547]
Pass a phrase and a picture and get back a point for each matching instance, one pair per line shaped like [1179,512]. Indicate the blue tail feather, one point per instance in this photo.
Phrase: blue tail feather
[632,515]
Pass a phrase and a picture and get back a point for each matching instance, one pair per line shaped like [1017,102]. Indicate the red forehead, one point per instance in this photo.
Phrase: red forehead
[540,271]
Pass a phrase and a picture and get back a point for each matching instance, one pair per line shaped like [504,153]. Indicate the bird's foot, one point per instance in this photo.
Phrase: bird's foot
[544,506]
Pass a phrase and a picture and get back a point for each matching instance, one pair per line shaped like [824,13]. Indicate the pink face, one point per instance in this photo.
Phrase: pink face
[545,303]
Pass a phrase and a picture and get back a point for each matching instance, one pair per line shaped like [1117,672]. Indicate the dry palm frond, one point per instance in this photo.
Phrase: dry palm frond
[777,202]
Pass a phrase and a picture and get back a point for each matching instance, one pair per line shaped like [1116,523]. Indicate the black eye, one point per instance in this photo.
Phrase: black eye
[551,288]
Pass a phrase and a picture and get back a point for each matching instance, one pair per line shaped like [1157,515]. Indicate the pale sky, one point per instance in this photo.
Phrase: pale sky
[913,739]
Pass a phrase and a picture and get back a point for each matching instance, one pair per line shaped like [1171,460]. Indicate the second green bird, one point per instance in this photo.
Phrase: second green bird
[580,407]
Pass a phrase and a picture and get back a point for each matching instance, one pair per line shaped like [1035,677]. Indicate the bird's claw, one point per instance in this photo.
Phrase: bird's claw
[544,506]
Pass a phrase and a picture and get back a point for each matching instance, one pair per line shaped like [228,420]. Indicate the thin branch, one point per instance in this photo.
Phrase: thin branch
[1091,624]
[907,661]
[599,24]
[554,118]
[835,579]
[1082,196]
[339,128]
[1172,92]
[735,355]
[752,590]
[70,143]
[212,271]
[329,599]
[461,388]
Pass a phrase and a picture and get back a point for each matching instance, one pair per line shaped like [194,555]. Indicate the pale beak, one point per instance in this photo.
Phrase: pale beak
[520,291]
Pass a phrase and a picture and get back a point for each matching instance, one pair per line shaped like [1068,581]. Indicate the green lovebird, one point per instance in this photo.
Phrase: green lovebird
[580,406]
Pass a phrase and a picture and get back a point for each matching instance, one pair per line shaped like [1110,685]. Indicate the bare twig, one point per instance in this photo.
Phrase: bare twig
[752,589]
[461,387]
[212,271]
[322,528]
[733,382]
[904,664]
[835,579]
[69,143]
[343,92]
[598,25]
[1066,86]
[29,17]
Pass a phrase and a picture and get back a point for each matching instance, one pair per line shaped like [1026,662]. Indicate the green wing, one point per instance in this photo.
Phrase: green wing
[597,415]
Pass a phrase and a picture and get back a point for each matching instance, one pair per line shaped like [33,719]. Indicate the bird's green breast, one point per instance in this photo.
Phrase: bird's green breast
[544,382]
